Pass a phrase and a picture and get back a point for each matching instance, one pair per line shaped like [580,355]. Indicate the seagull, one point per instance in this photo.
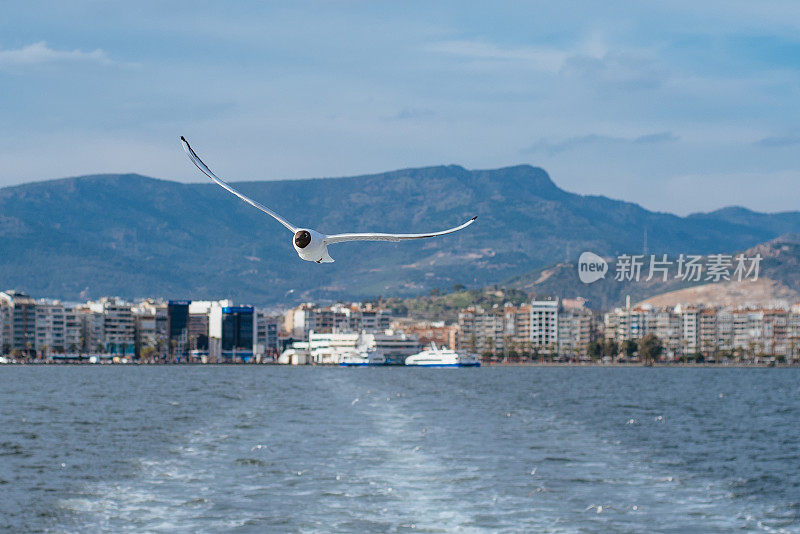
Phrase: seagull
[310,244]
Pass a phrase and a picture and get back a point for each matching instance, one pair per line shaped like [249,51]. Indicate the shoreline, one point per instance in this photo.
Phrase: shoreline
[664,365]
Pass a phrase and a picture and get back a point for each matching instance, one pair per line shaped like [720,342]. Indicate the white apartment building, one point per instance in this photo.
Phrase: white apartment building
[575,331]
[113,317]
[692,330]
[544,324]
[482,331]
[50,327]
[541,326]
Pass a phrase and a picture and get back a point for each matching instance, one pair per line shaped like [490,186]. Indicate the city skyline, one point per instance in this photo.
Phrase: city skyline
[565,330]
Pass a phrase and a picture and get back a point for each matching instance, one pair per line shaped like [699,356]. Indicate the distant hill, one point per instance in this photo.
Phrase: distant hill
[779,279]
[131,235]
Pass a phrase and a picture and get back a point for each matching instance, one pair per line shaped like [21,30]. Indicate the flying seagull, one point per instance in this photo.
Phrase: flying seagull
[310,244]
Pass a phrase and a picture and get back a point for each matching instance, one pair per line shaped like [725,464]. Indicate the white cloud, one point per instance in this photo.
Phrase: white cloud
[547,59]
[38,53]
[555,147]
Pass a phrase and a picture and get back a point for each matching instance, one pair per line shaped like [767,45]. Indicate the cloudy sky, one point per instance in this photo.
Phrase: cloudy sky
[682,107]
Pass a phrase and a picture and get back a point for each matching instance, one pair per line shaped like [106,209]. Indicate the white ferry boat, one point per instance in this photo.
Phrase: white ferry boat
[443,357]
[361,358]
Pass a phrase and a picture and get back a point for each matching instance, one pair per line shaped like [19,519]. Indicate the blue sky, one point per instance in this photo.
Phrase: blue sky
[682,107]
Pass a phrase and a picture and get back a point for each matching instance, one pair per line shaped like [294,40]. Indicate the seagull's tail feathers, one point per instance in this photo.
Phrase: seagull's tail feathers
[326,258]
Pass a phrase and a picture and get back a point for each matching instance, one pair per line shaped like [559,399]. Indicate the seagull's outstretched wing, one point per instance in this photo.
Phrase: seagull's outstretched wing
[225,185]
[338,238]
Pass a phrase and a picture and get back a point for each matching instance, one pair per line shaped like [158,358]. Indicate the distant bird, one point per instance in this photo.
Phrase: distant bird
[310,244]
[600,508]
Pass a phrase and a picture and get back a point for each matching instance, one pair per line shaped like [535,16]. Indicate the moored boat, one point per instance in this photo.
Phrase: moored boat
[442,357]
[363,358]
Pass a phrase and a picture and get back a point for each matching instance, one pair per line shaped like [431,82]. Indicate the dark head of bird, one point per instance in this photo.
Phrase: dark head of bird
[302,238]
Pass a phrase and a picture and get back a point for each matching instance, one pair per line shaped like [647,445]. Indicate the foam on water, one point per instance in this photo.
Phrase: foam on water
[272,449]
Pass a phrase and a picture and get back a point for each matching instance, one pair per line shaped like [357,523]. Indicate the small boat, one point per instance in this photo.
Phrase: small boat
[362,358]
[442,357]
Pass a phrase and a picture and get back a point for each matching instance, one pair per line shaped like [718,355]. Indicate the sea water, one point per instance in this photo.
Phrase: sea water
[311,449]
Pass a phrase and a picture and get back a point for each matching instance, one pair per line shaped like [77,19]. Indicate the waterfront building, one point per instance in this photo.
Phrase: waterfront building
[689,316]
[428,332]
[18,311]
[150,319]
[50,328]
[540,327]
[693,331]
[238,333]
[544,325]
[329,348]
[73,329]
[112,326]
[576,329]
[197,331]
[482,331]
[266,334]
[178,326]
[212,311]
[301,320]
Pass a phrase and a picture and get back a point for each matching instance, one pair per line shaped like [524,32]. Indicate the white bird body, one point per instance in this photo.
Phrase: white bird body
[309,244]
[316,250]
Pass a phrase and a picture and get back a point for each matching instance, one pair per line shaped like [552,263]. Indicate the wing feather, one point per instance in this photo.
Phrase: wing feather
[339,238]
[225,185]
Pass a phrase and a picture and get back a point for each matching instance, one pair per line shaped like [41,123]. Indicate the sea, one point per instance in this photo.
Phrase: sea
[313,449]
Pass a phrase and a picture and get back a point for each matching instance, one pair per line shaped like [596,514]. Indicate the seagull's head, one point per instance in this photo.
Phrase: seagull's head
[302,238]
[310,246]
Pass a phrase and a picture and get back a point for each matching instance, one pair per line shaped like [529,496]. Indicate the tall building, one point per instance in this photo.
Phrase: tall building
[150,317]
[238,332]
[73,329]
[116,332]
[690,328]
[50,328]
[544,324]
[266,334]
[197,329]
[18,312]
[576,329]
[482,331]
[178,326]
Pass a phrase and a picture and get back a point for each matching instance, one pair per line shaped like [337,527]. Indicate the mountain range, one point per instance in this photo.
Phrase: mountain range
[132,236]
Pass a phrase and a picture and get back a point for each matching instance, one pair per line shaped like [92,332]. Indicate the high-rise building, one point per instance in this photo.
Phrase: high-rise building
[544,324]
[198,332]
[18,323]
[266,333]
[150,317]
[50,328]
[178,326]
[238,332]
[576,329]
[113,327]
